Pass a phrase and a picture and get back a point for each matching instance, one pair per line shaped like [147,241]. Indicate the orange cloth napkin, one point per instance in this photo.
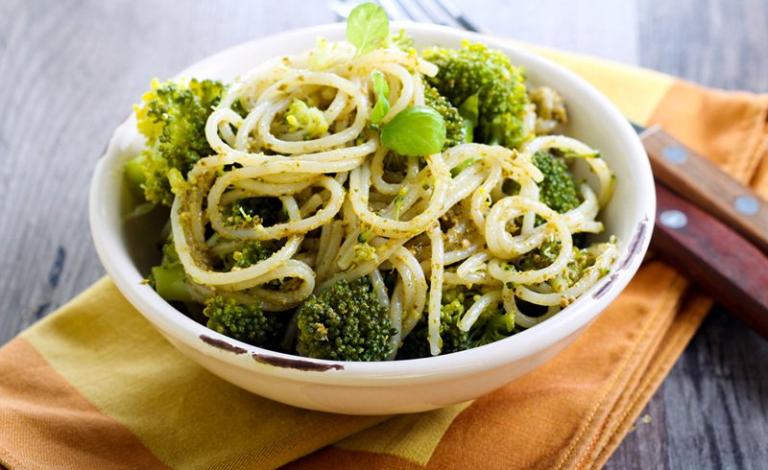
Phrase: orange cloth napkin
[94,386]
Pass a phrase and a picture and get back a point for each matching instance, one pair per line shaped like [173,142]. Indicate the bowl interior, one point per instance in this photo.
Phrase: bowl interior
[128,246]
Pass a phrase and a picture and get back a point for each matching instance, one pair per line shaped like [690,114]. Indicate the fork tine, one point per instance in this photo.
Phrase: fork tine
[458,16]
[434,13]
[342,8]
[410,10]
[394,10]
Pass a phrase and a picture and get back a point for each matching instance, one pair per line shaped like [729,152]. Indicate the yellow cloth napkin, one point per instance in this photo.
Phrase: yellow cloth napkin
[95,386]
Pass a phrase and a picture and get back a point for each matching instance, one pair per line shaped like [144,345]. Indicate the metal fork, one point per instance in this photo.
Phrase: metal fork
[442,12]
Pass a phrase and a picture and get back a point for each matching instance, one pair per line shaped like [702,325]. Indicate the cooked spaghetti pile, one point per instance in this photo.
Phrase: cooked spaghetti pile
[351,203]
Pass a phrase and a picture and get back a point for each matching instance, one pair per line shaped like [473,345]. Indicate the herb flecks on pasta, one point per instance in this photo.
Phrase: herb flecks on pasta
[362,201]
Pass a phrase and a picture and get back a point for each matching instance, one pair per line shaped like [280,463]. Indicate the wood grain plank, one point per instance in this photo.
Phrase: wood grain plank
[76,68]
[718,43]
[712,410]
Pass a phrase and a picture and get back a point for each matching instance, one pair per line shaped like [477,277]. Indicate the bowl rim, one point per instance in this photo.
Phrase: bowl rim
[586,308]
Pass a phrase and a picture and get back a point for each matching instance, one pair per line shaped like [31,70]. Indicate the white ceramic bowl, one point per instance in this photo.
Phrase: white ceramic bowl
[127,250]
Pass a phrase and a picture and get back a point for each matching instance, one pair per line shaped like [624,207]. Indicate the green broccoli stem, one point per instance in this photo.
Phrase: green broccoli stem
[171,283]
[134,173]
[169,278]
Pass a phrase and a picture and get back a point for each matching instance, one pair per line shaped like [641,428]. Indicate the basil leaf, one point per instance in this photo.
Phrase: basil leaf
[469,111]
[367,27]
[415,132]
[381,90]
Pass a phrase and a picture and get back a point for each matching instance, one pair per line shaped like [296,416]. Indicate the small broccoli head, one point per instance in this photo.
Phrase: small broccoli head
[539,257]
[454,123]
[345,322]
[492,325]
[254,211]
[545,254]
[558,190]
[401,40]
[171,117]
[305,119]
[252,252]
[500,88]
[244,322]
[416,344]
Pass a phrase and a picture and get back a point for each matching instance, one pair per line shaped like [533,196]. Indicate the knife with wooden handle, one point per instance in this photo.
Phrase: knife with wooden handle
[723,263]
[704,184]
[718,244]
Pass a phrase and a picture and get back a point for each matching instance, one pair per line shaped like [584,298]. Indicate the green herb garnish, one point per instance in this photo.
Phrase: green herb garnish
[416,131]
[381,90]
[367,27]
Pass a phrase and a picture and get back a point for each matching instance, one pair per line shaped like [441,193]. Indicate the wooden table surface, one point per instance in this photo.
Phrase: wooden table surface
[70,70]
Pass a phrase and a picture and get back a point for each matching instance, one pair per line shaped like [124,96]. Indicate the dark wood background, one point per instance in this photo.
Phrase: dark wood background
[70,70]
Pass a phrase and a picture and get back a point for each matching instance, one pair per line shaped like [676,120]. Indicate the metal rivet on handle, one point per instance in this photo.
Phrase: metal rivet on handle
[746,205]
[673,219]
[675,154]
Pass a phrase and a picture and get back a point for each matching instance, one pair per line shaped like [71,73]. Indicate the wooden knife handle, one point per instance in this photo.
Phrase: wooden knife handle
[700,181]
[727,266]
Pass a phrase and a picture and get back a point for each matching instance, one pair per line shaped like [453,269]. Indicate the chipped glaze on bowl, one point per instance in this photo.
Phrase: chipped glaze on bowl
[127,250]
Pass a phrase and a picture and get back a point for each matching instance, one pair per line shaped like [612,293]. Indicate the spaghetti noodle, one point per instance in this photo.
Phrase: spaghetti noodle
[352,207]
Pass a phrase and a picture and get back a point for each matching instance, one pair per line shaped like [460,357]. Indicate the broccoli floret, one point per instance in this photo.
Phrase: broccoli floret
[473,70]
[558,190]
[244,322]
[308,120]
[545,255]
[582,259]
[454,123]
[540,257]
[254,211]
[169,278]
[249,254]
[492,325]
[251,212]
[346,322]
[172,119]
[416,344]
[364,252]
[401,40]
[495,325]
